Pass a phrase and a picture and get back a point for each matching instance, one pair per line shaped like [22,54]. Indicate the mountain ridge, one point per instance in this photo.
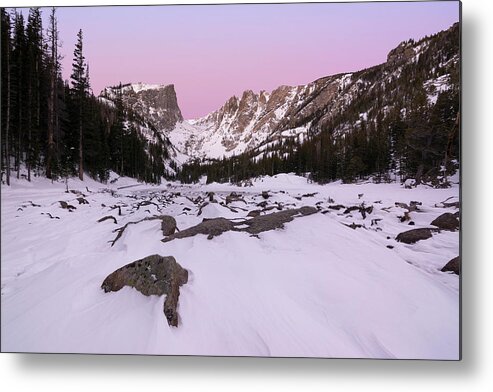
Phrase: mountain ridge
[256,123]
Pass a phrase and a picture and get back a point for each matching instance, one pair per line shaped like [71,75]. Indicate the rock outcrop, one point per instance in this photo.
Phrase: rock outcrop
[258,224]
[453,266]
[168,225]
[157,103]
[447,221]
[415,235]
[275,220]
[152,275]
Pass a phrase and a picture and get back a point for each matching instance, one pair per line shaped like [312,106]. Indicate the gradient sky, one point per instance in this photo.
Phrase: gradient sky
[213,52]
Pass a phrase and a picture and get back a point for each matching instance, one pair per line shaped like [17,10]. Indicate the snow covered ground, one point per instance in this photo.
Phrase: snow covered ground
[314,288]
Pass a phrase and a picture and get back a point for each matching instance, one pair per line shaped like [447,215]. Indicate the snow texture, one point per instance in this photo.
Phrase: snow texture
[316,288]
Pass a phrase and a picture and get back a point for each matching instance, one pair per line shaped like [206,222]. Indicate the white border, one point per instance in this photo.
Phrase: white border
[473,373]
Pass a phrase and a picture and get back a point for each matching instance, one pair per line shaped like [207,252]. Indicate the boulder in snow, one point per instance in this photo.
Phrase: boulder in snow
[168,225]
[413,236]
[447,221]
[453,266]
[152,275]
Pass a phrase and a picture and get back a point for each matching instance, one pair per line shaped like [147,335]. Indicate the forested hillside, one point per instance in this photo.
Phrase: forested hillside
[56,129]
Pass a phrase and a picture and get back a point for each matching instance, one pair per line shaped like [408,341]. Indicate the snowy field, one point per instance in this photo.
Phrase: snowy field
[331,284]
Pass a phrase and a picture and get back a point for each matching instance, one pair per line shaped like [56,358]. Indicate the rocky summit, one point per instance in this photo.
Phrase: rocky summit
[156,103]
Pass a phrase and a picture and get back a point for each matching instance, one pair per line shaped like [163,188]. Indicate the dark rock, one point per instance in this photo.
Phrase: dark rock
[455,204]
[453,266]
[446,221]
[262,204]
[152,275]
[390,246]
[209,227]
[168,225]
[217,226]
[413,206]
[336,207]
[413,236]
[265,194]
[254,213]
[233,196]
[354,226]
[411,223]
[66,206]
[401,54]
[351,209]
[405,217]
[361,208]
[276,220]
[210,195]
[365,210]
[51,216]
[201,207]
[106,218]
[81,200]
[444,204]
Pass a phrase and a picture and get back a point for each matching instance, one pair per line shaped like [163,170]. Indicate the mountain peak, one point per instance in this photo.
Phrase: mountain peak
[154,102]
[138,87]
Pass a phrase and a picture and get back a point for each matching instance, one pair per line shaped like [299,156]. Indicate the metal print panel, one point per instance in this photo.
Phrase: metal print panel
[271,180]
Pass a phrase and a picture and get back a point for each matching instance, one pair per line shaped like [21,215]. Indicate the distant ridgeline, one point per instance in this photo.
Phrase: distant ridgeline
[400,117]
[57,129]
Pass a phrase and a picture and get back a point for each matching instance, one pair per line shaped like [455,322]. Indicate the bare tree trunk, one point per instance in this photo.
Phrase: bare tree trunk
[419,174]
[81,155]
[29,125]
[7,117]
[52,96]
[19,139]
[49,161]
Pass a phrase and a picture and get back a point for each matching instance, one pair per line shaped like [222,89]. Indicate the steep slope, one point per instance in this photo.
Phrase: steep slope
[155,103]
[149,111]
[340,102]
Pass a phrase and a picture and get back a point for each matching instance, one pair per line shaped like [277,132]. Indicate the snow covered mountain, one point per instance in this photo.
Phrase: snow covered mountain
[255,122]
[340,102]
[156,103]
[242,124]
[151,110]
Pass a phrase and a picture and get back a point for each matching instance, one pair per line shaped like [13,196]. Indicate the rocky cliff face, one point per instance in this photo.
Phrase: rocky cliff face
[248,122]
[255,121]
[155,103]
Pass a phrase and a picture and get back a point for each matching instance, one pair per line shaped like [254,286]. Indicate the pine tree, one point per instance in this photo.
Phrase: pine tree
[54,69]
[79,89]
[6,87]
[18,87]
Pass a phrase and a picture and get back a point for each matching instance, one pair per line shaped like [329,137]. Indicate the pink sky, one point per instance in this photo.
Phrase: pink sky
[213,52]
